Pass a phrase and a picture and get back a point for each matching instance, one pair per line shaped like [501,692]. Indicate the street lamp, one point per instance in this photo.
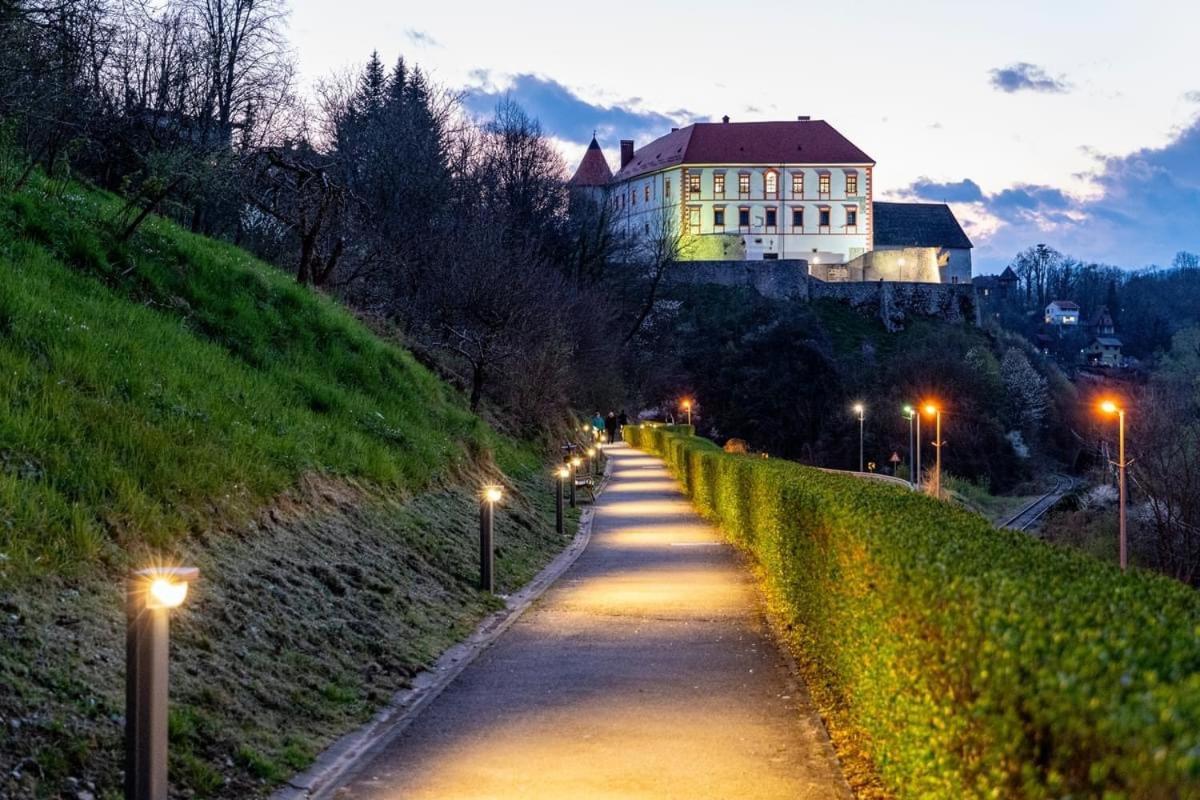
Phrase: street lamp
[150,595]
[687,406]
[487,516]
[902,262]
[914,438]
[936,412]
[1109,407]
[591,451]
[563,473]
[861,411]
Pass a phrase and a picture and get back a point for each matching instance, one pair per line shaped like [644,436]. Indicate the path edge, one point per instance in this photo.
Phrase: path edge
[356,747]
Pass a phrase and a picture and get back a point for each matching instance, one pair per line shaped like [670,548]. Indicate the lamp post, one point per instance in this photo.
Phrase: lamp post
[911,414]
[1109,407]
[562,475]
[687,406]
[150,596]
[592,461]
[861,411]
[487,519]
[902,262]
[936,412]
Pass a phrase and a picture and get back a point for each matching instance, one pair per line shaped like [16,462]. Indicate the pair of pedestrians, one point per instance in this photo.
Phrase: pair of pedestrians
[608,429]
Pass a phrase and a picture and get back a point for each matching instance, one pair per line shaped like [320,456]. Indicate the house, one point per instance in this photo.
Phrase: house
[918,242]
[997,287]
[1062,313]
[783,190]
[1102,324]
[1104,351]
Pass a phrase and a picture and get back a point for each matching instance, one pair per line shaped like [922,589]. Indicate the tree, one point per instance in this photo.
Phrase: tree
[1025,392]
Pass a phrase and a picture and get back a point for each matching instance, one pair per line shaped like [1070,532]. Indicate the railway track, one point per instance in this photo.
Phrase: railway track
[1024,519]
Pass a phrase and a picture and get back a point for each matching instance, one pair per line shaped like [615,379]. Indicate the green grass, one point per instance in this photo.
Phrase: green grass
[160,388]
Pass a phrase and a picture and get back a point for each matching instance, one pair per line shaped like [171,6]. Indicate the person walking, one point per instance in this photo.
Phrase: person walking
[598,426]
[610,425]
[622,421]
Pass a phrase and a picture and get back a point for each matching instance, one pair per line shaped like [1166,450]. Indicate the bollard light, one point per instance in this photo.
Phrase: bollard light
[592,460]
[576,461]
[487,516]
[150,595]
[563,473]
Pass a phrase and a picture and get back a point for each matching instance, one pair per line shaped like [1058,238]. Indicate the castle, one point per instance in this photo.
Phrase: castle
[789,190]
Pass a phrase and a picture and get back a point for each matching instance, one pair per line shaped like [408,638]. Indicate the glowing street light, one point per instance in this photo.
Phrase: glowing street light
[860,410]
[686,405]
[487,519]
[562,474]
[150,595]
[591,451]
[933,411]
[914,438]
[1110,407]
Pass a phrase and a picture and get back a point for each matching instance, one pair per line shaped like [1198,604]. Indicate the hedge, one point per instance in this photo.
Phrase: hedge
[975,662]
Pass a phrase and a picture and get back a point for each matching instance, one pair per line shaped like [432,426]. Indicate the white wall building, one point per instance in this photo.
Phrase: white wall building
[1062,312]
[765,190]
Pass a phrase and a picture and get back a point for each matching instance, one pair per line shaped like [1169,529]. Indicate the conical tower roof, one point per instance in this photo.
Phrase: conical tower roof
[593,169]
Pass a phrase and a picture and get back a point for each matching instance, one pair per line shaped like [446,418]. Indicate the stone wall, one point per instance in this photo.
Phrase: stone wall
[892,302]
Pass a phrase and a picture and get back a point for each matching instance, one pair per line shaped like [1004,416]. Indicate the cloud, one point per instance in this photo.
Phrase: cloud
[1192,96]
[567,116]
[1024,76]
[1144,207]
[421,38]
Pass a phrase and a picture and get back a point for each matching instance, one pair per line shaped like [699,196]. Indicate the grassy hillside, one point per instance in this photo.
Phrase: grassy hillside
[147,389]
[174,398]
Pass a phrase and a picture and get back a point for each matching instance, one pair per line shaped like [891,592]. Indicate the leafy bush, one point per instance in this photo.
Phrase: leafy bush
[975,662]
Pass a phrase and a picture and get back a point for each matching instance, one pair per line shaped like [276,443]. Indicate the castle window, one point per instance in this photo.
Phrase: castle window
[772,219]
[667,188]
[693,219]
[719,184]
[693,185]
[798,219]
[851,184]
[851,217]
[647,193]
[823,219]
[797,184]
[823,186]
[744,185]
[771,182]
[719,219]
[744,218]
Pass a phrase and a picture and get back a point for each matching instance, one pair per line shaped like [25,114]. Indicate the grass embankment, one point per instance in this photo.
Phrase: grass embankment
[174,398]
[963,660]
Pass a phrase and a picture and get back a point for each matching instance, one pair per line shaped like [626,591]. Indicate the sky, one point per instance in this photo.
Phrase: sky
[1076,124]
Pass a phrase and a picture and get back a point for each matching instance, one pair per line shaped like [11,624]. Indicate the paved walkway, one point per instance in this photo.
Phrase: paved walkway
[646,672]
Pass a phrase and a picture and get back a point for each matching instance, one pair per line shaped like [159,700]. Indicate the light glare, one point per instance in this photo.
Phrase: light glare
[165,593]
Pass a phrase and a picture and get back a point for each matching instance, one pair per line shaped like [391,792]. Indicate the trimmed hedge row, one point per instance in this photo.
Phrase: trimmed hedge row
[977,662]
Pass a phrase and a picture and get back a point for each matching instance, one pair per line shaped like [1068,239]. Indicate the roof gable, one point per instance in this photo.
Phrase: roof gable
[917,225]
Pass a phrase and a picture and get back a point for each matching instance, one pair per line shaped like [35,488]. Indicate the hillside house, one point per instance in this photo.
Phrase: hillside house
[785,190]
[1104,351]
[1062,313]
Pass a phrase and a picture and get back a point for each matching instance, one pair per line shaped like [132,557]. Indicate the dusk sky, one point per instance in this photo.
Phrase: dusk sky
[1071,123]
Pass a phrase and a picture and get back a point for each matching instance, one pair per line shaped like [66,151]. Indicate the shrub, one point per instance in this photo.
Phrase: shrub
[975,662]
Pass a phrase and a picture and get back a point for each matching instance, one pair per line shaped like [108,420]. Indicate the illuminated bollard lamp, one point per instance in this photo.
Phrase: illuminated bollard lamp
[576,462]
[592,459]
[562,474]
[150,596]
[487,519]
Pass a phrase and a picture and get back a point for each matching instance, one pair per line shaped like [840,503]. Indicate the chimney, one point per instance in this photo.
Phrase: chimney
[803,118]
[626,152]
[725,119]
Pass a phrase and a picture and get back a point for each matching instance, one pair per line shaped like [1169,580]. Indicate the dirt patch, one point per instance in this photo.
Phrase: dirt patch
[304,623]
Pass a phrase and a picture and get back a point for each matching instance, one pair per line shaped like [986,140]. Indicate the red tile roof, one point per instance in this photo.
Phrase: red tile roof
[593,169]
[791,142]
